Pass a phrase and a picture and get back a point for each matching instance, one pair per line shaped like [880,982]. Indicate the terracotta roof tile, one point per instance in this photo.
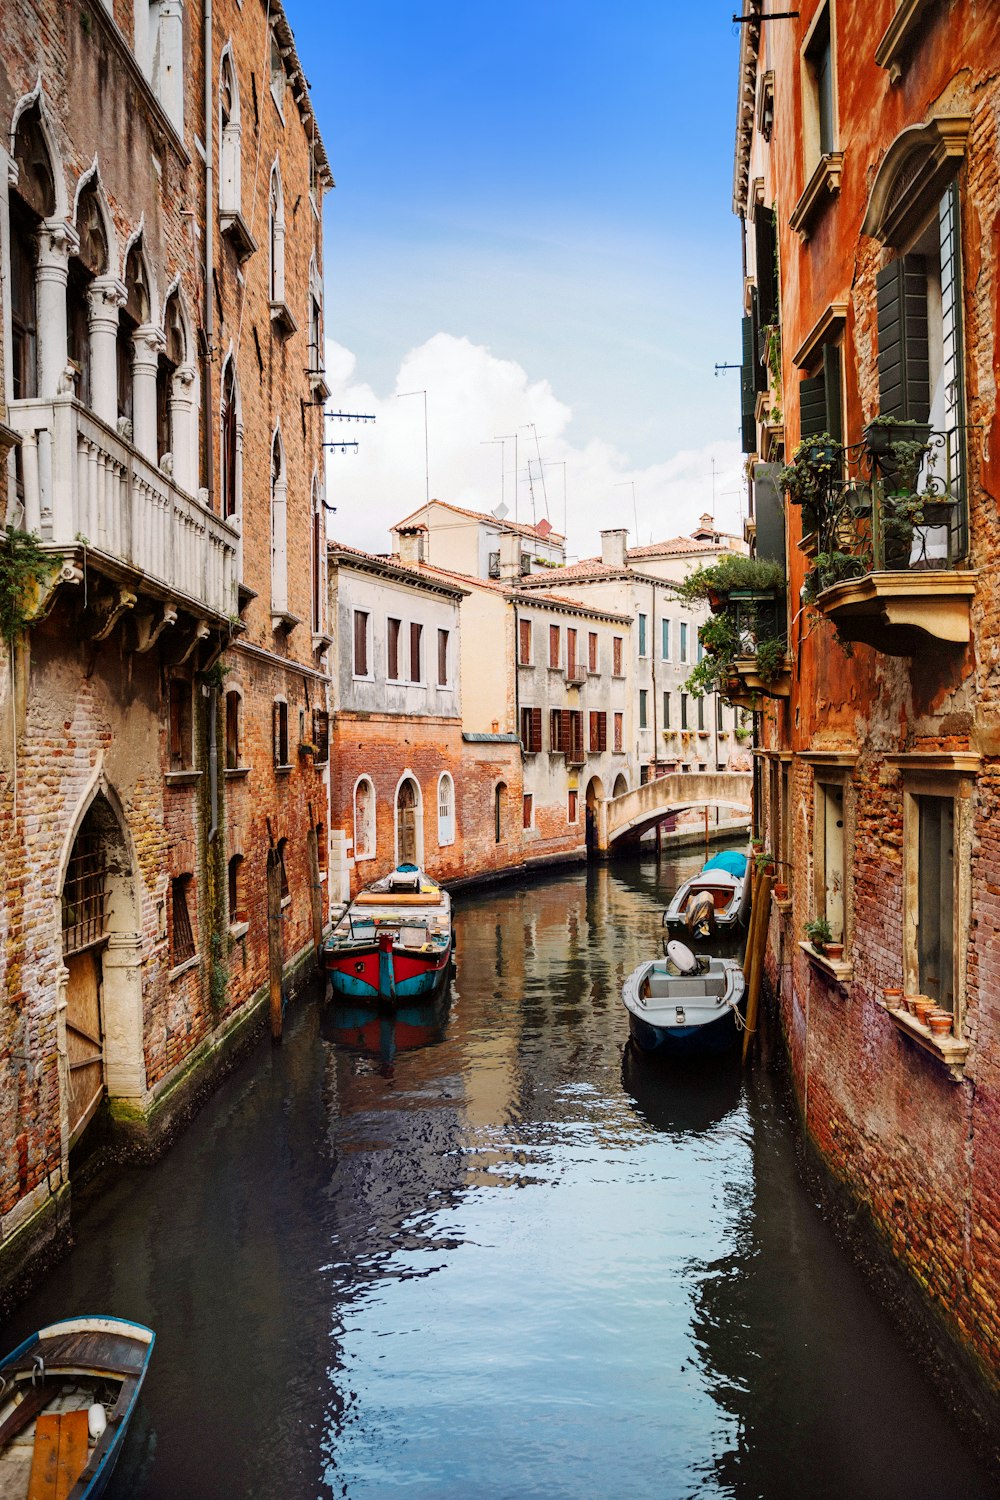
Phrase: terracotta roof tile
[479,515]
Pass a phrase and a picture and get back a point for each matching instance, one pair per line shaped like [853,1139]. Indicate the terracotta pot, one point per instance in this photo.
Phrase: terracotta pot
[922,1009]
[940,1022]
[909,1003]
[894,999]
[835,951]
[781,891]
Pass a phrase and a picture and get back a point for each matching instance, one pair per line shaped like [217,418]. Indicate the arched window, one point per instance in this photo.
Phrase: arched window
[276,236]
[237,912]
[499,811]
[167,365]
[234,705]
[231,443]
[318,550]
[446,809]
[132,316]
[230,133]
[33,200]
[315,343]
[364,819]
[279,533]
[90,261]
[409,823]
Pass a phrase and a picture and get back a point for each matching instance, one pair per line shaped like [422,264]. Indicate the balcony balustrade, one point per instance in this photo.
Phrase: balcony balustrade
[84,486]
[890,521]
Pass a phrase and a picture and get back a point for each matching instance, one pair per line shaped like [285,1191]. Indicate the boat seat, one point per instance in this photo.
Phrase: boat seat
[662,988]
[60,1454]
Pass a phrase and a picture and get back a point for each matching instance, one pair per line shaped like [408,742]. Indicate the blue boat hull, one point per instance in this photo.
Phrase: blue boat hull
[709,1040]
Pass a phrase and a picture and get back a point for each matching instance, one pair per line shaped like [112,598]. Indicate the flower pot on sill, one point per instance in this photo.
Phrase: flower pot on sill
[922,1009]
[835,951]
[781,891]
[894,999]
[940,1022]
[880,436]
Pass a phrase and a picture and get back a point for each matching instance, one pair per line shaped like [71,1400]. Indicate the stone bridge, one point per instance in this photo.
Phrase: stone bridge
[633,812]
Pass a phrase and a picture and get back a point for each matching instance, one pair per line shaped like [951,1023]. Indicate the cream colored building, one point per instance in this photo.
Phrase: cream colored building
[470,542]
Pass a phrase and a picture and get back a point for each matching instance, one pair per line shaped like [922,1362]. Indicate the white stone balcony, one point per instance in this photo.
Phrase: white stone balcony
[86,487]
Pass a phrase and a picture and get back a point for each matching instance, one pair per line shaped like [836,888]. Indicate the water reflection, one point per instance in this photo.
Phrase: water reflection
[490,1250]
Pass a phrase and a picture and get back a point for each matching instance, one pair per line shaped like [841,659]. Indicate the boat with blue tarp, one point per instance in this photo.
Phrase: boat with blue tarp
[716,899]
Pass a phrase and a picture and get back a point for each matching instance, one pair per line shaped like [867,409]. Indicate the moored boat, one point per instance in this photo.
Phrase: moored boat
[394,940]
[67,1395]
[717,899]
[685,1006]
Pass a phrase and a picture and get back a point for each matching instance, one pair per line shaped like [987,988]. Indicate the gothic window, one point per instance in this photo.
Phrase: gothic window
[230,439]
[279,546]
[364,819]
[230,181]
[276,236]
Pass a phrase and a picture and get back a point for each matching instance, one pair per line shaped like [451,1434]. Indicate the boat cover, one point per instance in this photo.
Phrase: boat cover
[730,860]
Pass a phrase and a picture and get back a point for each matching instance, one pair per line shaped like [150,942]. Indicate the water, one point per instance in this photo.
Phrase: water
[500,1256]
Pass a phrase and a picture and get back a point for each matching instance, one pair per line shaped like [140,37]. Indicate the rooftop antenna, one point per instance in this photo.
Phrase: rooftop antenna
[531,492]
[400,395]
[508,437]
[541,467]
[626,484]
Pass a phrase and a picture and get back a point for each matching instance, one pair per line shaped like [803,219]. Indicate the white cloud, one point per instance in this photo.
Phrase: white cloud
[473,397]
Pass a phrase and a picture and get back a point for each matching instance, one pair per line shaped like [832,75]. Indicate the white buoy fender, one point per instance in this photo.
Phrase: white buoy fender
[97,1420]
[682,958]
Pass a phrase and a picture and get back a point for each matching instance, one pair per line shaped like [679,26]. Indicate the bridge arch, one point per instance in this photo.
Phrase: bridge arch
[631,813]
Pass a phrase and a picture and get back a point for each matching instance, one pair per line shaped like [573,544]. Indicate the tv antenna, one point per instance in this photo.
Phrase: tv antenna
[400,396]
[630,484]
[541,468]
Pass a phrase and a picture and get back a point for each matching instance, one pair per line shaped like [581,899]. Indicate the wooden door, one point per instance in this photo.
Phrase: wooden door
[84,1038]
[406,819]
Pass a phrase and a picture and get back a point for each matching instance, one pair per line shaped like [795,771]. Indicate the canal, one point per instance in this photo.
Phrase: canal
[490,1253]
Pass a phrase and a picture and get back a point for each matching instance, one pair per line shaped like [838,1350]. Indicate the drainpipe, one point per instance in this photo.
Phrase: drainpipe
[209,254]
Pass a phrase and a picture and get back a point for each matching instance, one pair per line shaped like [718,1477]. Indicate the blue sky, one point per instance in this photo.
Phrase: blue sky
[551,183]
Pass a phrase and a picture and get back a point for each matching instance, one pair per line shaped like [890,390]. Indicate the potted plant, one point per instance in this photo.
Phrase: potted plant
[882,433]
[815,466]
[770,659]
[819,933]
[828,569]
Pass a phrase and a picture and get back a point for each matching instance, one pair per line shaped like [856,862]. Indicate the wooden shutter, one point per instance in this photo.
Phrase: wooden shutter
[571,651]
[442,658]
[767,272]
[617,653]
[594,716]
[554,729]
[536,728]
[831,380]
[812,406]
[360,643]
[524,629]
[592,649]
[553,645]
[565,730]
[276,733]
[416,666]
[903,369]
[748,388]
[393,662]
[759,368]
[619,728]
[768,513]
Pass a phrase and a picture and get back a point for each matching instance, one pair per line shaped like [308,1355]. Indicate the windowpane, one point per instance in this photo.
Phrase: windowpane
[643,713]
[183,934]
[665,643]
[936,899]
[642,635]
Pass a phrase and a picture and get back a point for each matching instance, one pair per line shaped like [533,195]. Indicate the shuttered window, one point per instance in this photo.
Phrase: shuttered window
[903,358]
[416,652]
[643,714]
[279,727]
[819,398]
[360,643]
[524,642]
[766,247]
[321,736]
[182,947]
[531,730]
[442,658]
[392,643]
[748,387]
[616,651]
[936,899]
[554,646]
[570,652]
[592,651]
[619,733]
[598,731]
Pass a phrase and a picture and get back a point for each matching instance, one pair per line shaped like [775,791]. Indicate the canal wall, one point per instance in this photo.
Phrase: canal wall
[905,1287]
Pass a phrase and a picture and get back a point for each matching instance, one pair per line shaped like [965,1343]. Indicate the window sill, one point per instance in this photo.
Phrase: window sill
[285,901]
[182,968]
[947,1049]
[281,318]
[238,930]
[782,904]
[283,619]
[282,770]
[233,225]
[321,641]
[836,969]
[181,778]
[823,185]
[237,773]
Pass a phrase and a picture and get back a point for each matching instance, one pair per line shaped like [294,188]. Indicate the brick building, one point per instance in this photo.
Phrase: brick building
[165,713]
[866,181]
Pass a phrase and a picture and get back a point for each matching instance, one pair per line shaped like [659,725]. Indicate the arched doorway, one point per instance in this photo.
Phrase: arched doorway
[102,969]
[595,794]
[409,850]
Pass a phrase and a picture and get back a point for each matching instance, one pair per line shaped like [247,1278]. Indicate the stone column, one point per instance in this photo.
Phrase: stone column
[148,343]
[57,241]
[107,294]
[279,547]
[183,427]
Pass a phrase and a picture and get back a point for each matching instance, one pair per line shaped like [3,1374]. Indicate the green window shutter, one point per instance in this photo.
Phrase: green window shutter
[769,512]
[759,370]
[903,370]
[748,392]
[767,267]
[831,379]
[812,406]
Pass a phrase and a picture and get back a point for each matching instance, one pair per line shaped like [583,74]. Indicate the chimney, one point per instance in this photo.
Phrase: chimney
[510,556]
[411,544]
[613,545]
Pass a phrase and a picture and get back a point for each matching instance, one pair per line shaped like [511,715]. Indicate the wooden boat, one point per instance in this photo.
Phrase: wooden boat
[394,940]
[681,1005]
[714,900]
[67,1395]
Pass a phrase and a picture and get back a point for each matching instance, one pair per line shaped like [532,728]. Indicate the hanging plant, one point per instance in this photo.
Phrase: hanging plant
[770,660]
[829,568]
[815,467]
[733,572]
[23,566]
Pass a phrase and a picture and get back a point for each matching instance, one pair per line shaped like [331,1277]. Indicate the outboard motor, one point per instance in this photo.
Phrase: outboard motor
[699,914]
